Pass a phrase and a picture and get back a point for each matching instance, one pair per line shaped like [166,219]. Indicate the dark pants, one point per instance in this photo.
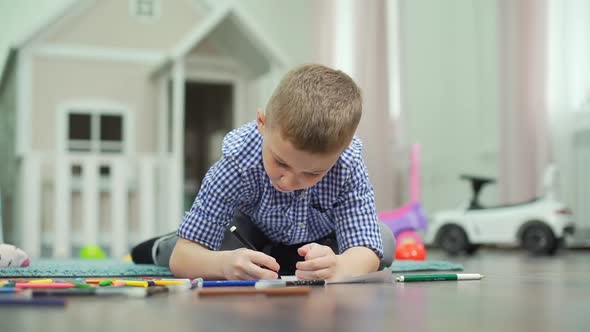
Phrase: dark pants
[286,255]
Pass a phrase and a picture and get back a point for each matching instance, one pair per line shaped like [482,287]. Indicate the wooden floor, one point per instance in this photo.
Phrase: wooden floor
[519,293]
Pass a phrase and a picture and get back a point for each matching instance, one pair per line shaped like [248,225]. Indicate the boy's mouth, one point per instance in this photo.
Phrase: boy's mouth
[279,188]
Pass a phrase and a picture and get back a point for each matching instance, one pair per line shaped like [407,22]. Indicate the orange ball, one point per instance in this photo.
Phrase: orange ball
[408,236]
[410,251]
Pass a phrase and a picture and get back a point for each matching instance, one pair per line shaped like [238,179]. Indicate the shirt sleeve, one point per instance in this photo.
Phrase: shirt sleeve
[214,206]
[355,214]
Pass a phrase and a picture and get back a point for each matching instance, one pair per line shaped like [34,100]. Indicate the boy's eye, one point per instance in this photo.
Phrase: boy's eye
[282,164]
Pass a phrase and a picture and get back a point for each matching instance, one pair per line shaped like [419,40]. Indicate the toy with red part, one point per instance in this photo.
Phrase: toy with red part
[406,220]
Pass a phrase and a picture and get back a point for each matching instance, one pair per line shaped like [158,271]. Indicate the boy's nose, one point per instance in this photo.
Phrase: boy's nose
[288,181]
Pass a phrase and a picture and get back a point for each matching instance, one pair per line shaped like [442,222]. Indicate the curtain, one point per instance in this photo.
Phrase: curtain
[352,36]
[524,135]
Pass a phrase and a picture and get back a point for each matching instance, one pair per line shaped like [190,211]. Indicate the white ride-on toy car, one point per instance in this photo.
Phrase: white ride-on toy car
[539,225]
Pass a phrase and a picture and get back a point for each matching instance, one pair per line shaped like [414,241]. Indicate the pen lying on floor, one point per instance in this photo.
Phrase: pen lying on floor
[439,277]
[258,283]
[32,302]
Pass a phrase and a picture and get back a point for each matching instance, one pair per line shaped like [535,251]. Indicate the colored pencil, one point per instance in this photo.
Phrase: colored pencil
[54,285]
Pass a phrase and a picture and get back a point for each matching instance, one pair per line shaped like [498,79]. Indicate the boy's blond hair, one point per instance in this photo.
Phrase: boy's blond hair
[316,108]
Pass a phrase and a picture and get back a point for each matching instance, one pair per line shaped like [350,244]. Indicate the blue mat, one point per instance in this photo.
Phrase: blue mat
[109,268]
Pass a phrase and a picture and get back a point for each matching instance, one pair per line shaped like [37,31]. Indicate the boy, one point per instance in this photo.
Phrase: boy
[295,185]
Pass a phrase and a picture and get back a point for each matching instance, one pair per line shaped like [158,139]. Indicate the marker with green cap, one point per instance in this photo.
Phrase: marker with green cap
[439,277]
[106,282]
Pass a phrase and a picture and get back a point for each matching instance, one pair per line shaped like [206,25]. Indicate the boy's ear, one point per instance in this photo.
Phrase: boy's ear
[260,121]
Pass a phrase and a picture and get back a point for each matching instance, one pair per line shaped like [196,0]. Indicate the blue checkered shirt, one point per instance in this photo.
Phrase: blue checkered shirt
[342,202]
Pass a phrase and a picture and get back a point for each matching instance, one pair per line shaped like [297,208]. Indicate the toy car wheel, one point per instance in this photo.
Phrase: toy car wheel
[472,249]
[453,239]
[539,239]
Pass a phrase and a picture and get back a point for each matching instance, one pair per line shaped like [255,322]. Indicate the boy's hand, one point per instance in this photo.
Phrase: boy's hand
[246,264]
[320,262]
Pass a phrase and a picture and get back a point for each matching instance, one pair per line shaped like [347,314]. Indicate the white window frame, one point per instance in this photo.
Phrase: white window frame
[134,10]
[95,110]
[204,69]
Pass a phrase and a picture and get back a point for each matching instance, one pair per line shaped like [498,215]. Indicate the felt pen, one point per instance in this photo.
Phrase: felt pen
[41,281]
[50,285]
[226,283]
[246,243]
[234,231]
[284,283]
[136,283]
[109,291]
[102,291]
[196,283]
[169,282]
[10,290]
[94,281]
[81,285]
[106,282]
[439,277]
[33,302]
[187,283]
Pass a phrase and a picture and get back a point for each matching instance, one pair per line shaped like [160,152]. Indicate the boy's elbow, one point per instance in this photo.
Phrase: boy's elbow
[175,266]
[184,252]
[376,263]
[178,259]
[373,260]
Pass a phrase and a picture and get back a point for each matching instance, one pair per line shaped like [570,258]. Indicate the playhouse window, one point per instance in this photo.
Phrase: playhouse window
[111,133]
[79,132]
[95,132]
[145,9]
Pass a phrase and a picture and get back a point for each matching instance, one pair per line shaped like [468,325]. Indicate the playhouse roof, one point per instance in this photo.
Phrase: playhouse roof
[9,63]
[234,32]
[226,25]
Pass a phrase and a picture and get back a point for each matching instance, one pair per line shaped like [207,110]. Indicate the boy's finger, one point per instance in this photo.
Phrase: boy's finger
[319,274]
[318,250]
[254,272]
[265,260]
[316,263]
[303,250]
[313,249]
[258,272]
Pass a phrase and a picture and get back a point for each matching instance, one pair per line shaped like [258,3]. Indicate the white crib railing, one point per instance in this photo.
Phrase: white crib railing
[114,197]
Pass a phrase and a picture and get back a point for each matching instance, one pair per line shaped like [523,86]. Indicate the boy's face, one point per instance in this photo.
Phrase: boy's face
[288,168]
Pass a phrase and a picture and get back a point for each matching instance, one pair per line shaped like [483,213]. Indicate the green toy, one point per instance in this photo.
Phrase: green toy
[92,251]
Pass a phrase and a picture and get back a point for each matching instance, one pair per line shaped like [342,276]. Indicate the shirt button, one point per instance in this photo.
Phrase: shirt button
[301,225]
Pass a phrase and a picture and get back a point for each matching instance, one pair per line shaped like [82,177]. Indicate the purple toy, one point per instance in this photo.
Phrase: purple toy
[409,217]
